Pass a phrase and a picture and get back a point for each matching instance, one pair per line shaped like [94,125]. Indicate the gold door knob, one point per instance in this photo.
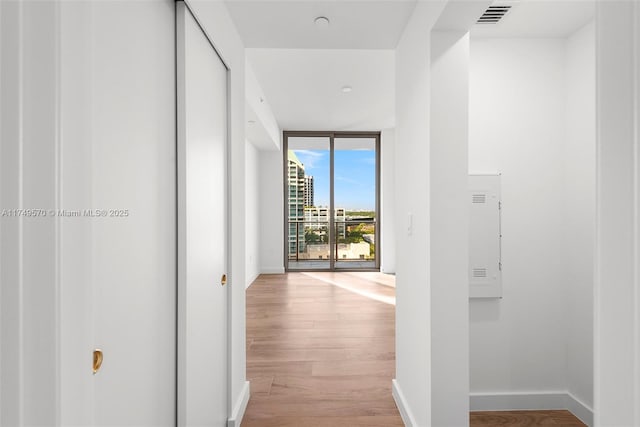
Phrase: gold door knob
[223,280]
[97,360]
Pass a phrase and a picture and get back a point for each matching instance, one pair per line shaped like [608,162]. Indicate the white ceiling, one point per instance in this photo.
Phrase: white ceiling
[539,18]
[359,24]
[301,68]
[303,87]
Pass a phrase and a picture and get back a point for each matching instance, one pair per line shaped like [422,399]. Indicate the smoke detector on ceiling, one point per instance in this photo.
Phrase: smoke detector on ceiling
[494,13]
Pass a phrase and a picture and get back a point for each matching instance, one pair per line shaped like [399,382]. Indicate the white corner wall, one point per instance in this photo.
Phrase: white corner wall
[415,385]
[387,202]
[580,204]
[449,225]
[517,128]
[532,118]
[617,290]
[270,202]
[252,215]
[412,384]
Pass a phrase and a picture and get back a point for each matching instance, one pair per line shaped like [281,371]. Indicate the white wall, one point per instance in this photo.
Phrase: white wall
[263,183]
[412,385]
[28,268]
[387,202]
[532,118]
[580,181]
[517,127]
[252,214]
[449,219]
[413,341]
[267,134]
[617,290]
[270,201]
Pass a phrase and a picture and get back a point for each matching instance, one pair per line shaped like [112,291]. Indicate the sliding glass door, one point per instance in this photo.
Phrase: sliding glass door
[331,186]
[355,196]
[308,198]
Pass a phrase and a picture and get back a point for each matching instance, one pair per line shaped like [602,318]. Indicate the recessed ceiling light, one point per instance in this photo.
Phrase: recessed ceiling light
[251,122]
[321,22]
[347,89]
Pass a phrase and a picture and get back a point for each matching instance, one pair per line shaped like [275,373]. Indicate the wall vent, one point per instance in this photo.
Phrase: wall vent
[493,14]
[479,198]
[479,272]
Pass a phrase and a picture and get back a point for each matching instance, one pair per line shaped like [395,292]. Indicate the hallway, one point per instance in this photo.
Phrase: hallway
[320,350]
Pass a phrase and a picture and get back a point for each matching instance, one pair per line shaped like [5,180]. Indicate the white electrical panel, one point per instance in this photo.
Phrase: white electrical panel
[485,263]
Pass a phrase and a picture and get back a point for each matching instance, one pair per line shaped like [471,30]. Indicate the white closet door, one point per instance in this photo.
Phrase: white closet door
[134,235]
[202,227]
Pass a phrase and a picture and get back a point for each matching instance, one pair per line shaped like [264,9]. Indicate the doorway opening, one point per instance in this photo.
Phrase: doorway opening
[332,201]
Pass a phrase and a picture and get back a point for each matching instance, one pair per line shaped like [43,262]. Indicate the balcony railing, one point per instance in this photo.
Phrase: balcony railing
[349,241]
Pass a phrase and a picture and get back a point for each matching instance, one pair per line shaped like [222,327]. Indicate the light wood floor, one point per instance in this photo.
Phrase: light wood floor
[321,353]
[320,350]
[524,419]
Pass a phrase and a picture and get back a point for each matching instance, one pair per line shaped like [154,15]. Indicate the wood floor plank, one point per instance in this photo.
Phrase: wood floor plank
[261,368]
[279,324]
[374,352]
[261,385]
[385,368]
[301,406]
[301,355]
[343,388]
[524,419]
[324,421]
[348,343]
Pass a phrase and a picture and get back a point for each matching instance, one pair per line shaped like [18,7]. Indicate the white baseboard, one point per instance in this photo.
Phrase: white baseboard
[240,406]
[580,410]
[386,270]
[401,403]
[531,401]
[511,401]
[517,401]
[252,279]
[272,270]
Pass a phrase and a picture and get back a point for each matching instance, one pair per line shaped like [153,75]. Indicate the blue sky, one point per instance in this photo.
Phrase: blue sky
[355,177]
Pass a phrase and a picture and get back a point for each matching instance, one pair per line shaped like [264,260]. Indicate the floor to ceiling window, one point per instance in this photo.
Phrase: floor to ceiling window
[331,188]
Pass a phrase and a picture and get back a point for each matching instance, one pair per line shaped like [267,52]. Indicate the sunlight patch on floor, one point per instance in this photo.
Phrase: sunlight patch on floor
[370,285]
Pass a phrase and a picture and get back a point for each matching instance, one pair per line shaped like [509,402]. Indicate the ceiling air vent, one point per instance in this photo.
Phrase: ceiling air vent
[494,14]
